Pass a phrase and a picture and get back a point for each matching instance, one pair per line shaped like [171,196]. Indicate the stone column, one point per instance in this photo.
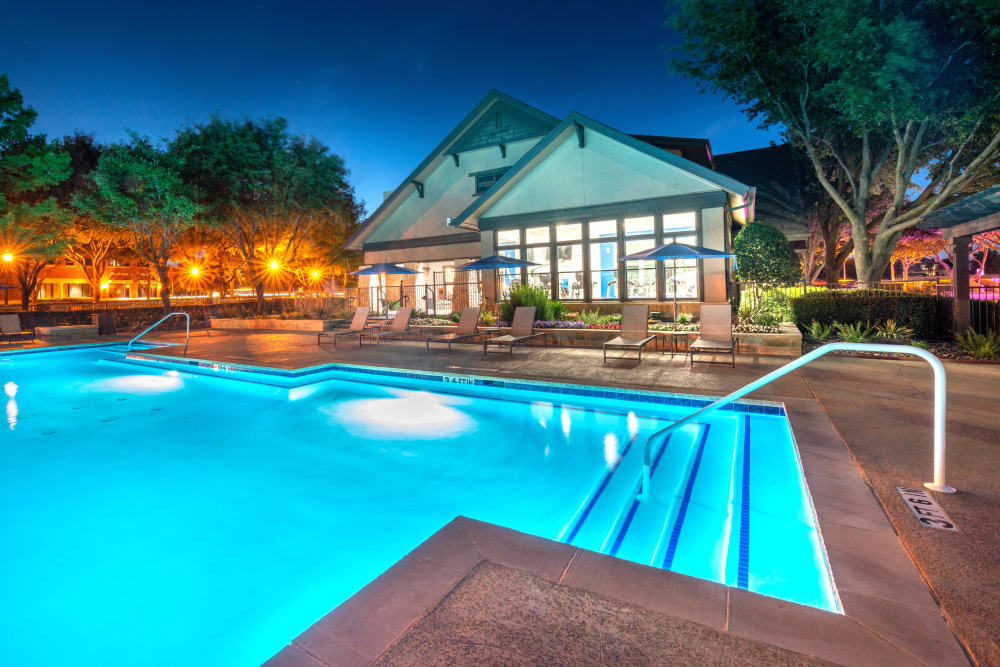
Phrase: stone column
[960,283]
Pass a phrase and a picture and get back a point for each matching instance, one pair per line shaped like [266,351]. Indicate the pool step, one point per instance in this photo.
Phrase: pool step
[689,525]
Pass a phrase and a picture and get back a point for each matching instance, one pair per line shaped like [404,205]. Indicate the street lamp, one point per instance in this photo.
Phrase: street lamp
[274,264]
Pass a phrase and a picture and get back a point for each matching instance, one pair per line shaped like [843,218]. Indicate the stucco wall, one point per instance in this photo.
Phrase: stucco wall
[602,172]
[448,191]
[713,235]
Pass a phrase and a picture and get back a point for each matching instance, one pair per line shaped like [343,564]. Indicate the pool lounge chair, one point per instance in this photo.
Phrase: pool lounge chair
[398,329]
[10,329]
[634,331]
[467,329]
[359,325]
[521,331]
[716,334]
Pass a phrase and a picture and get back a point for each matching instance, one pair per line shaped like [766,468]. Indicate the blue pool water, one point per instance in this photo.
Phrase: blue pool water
[160,517]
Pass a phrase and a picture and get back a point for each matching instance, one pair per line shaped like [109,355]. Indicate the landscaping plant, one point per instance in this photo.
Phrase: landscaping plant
[528,295]
[763,254]
[855,333]
[892,331]
[981,346]
[819,331]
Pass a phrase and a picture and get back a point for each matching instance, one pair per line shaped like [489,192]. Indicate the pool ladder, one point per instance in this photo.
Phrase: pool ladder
[938,484]
[160,321]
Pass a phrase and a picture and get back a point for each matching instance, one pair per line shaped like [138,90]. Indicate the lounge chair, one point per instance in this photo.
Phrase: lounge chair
[359,325]
[521,331]
[398,329]
[467,329]
[10,329]
[634,331]
[716,334]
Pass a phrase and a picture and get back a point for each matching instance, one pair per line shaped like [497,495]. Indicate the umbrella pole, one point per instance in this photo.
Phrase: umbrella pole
[674,275]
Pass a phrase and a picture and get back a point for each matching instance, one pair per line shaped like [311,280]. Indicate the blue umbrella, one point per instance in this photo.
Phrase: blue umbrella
[381,270]
[493,263]
[677,251]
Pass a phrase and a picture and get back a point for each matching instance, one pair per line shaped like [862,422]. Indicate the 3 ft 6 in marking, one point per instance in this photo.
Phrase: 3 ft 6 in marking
[926,509]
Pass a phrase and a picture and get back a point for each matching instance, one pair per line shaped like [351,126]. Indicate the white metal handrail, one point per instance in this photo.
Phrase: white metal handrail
[939,404]
[158,322]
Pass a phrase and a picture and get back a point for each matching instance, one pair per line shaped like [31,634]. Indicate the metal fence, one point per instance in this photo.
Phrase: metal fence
[440,299]
[984,305]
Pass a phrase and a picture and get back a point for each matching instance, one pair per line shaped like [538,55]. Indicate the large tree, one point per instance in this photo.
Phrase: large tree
[32,223]
[266,190]
[901,95]
[138,189]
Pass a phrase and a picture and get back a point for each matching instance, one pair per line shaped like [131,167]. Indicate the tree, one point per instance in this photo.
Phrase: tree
[763,254]
[265,190]
[138,189]
[32,223]
[901,95]
[916,245]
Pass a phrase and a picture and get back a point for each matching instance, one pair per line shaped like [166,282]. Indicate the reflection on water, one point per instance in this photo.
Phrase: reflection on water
[139,384]
[11,390]
[611,449]
[416,415]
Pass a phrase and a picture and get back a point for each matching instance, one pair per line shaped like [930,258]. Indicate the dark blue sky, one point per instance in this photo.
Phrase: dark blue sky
[381,83]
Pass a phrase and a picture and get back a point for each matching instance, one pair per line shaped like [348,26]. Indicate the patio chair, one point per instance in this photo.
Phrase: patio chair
[521,331]
[398,329]
[634,333]
[10,329]
[716,334]
[359,325]
[467,329]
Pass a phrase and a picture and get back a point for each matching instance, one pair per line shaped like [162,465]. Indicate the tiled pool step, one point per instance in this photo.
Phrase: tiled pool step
[696,521]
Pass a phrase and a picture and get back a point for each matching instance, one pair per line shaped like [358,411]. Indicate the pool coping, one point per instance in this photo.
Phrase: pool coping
[313,374]
[889,614]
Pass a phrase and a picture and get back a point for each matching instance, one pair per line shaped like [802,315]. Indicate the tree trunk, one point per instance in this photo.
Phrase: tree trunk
[163,273]
[258,289]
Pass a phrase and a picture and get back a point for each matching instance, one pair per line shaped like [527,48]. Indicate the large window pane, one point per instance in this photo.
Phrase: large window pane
[569,232]
[687,280]
[603,270]
[603,229]
[536,235]
[569,264]
[539,276]
[678,222]
[639,226]
[510,278]
[640,276]
[508,237]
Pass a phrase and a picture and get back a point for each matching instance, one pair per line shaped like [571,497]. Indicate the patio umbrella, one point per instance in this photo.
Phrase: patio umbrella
[495,263]
[384,269]
[676,251]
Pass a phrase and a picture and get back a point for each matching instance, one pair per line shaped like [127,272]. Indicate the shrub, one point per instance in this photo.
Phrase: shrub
[818,331]
[763,254]
[981,346]
[855,333]
[684,318]
[892,331]
[921,313]
[527,295]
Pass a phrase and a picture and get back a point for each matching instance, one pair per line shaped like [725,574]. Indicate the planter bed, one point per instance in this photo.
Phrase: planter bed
[788,343]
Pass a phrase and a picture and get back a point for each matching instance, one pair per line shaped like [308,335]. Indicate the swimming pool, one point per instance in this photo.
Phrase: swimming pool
[162,514]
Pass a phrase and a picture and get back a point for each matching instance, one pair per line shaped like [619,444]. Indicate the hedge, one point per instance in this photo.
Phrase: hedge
[926,314]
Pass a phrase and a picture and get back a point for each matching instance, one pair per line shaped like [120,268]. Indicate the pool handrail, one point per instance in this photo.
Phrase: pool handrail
[938,484]
[158,322]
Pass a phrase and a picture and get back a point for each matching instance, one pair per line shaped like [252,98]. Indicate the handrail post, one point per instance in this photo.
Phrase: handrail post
[940,407]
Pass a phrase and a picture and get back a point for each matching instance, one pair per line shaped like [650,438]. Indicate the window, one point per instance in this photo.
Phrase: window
[486,179]
[579,260]
[510,278]
[569,265]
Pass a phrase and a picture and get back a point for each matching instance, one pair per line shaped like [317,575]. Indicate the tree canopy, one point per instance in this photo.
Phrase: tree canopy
[763,254]
[900,96]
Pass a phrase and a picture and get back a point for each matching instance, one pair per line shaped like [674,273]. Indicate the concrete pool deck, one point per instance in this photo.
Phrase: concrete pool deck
[881,409]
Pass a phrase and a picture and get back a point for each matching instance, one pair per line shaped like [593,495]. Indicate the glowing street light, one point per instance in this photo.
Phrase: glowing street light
[8,256]
[274,264]
[315,274]
[194,270]
[104,285]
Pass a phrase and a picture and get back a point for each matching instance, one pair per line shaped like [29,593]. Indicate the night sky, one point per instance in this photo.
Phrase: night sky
[381,83]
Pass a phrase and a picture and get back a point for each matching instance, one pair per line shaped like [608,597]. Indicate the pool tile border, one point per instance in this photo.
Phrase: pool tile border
[310,373]
[902,628]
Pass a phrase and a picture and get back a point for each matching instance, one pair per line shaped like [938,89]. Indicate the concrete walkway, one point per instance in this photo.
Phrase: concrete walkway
[882,410]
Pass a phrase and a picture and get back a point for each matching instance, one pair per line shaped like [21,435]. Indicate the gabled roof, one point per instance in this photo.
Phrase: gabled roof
[696,150]
[773,171]
[714,178]
[531,120]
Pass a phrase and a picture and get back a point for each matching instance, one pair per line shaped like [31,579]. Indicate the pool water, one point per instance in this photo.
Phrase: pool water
[160,517]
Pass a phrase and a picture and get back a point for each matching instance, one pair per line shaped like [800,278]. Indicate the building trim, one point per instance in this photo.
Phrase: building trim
[673,204]
[424,242]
